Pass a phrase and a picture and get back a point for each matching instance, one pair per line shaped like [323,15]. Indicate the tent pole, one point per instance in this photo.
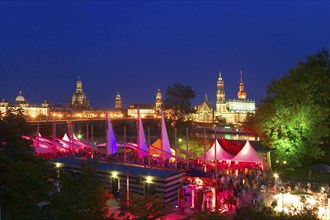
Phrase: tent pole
[149,145]
[187,148]
[176,146]
[37,136]
[87,133]
[216,169]
[204,150]
[92,132]
[124,143]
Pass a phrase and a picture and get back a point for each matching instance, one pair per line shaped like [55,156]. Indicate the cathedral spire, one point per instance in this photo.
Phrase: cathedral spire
[220,76]
[241,93]
[206,99]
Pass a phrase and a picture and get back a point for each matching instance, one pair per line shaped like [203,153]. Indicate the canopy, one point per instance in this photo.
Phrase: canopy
[67,142]
[141,138]
[158,145]
[111,140]
[247,154]
[221,153]
[165,143]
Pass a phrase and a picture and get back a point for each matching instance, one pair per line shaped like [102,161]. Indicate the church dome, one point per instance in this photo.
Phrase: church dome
[20,98]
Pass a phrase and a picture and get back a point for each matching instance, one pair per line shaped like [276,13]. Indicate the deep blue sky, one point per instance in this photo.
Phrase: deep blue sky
[136,47]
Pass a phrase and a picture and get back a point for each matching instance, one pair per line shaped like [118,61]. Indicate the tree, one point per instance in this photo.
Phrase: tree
[24,179]
[294,116]
[81,196]
[177,101]
[144,207]
[177,106]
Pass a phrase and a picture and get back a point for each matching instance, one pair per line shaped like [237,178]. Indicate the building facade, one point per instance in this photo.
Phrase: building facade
[31,111]
[227,111]
[204,112]
[146,110]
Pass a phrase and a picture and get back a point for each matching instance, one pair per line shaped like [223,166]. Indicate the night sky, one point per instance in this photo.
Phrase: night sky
[136,47]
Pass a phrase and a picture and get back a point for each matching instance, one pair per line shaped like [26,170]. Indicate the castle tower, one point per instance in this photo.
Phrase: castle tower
[221,96]
[241,93]
[118,101]
[159,101]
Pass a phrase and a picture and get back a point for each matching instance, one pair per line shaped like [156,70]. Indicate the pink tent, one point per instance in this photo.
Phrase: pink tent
[247,154]
[221,153]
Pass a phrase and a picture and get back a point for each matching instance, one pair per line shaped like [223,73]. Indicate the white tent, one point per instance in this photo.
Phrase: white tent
[247,154]
[141,139]
[164,138]
[221,153]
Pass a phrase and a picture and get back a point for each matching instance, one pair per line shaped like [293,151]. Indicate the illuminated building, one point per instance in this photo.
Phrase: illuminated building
[118,101]
[146,110]
[241,93]
[3,107]
[204,112]
[79,100]
[229,111]
[27,109]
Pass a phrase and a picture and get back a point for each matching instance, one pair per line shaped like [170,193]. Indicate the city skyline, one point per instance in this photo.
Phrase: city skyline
[135,48]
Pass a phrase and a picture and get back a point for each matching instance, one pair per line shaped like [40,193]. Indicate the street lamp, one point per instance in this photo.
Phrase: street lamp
[147,182]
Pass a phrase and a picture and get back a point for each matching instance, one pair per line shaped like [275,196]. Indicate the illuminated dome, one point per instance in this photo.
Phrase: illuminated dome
[20,98]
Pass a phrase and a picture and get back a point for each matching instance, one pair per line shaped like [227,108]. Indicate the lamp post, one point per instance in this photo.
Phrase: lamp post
[276,178]
[282,191]
[127,189]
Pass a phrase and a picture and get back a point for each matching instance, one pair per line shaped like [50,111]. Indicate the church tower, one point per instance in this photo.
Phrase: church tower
[79,86]
[118,101]
[241,93]
[79,100]
[159,101]
[221,96]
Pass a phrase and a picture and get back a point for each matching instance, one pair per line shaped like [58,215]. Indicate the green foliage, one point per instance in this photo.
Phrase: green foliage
[178,101]
[24,179]
[27,181]
[247,213]
[294,117]
[144,207]
[195,146]
[81,196]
